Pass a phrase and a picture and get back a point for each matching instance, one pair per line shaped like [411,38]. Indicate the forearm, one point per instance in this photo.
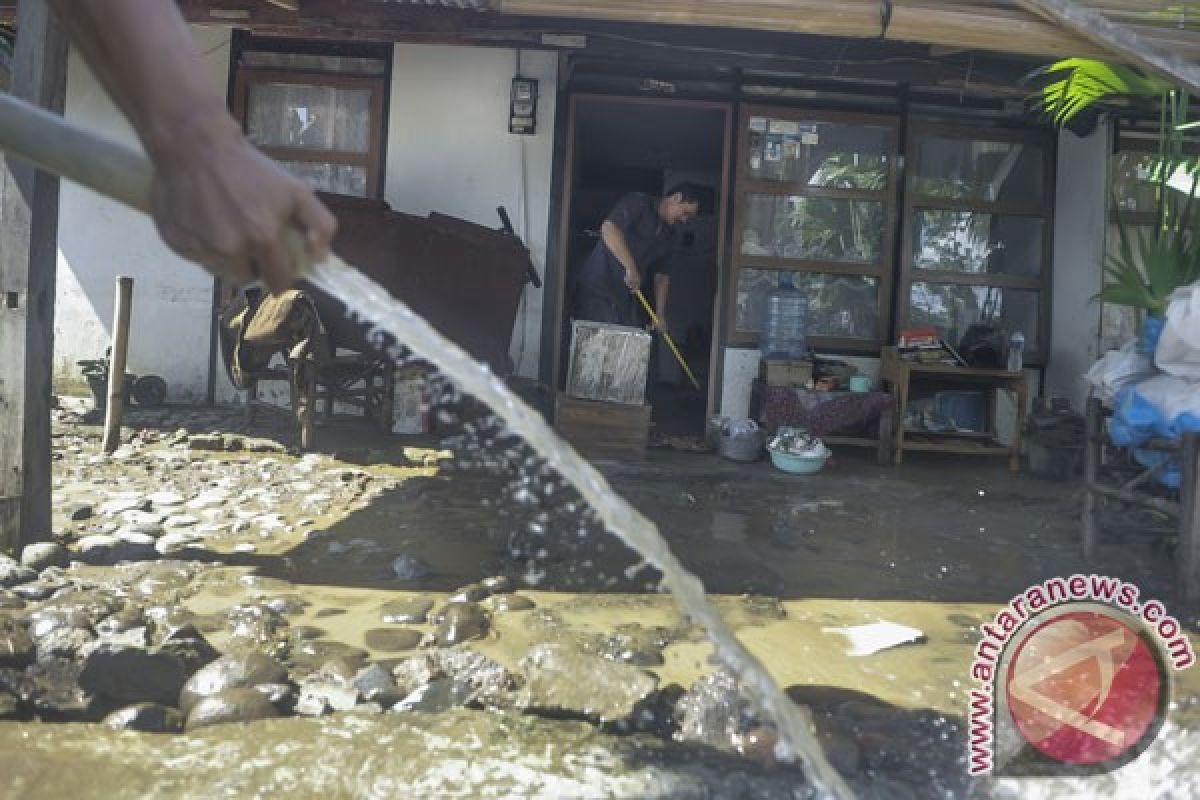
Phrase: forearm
[145,57]
[614,240]
[662,286]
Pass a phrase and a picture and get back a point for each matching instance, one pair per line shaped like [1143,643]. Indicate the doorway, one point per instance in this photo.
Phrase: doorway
[617,145]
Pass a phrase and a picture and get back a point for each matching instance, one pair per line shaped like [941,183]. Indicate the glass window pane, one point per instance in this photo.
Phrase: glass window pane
[816,228]
[1132,184]
[969,241]
[350,65]
[337,178]
[970,169]
[311,117]
[817,153]
[952,309]
[838,305]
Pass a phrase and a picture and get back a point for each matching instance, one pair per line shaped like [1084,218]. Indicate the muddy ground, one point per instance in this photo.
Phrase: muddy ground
[359,572]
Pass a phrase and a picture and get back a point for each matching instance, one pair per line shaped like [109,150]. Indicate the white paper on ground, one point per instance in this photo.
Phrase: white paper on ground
[873,637]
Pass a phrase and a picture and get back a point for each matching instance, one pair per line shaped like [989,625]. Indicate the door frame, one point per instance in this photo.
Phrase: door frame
[570,174]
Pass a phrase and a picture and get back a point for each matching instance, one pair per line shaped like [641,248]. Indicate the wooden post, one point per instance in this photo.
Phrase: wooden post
[1189,520]
[1091,464]
[116,364]
[28,261]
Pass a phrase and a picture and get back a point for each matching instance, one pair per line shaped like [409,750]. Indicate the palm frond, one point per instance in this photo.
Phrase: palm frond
[1072,85]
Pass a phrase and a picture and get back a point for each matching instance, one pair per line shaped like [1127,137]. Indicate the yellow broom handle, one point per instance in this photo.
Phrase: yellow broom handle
[670,343]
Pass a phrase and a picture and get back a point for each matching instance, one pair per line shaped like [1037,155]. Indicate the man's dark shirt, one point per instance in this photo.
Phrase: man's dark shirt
[649,240]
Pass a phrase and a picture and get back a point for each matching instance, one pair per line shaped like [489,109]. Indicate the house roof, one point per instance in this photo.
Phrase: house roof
[1160,36]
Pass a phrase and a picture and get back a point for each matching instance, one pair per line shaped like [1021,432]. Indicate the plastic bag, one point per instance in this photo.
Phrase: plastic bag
[1164,406]
[1178,350]
[1118,369]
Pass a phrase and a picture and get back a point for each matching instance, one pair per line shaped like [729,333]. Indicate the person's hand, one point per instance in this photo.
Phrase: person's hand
[633,278]
[220,202]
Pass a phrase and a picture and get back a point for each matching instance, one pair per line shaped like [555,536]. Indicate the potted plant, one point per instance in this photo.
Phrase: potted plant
[95,372]
[1149,266]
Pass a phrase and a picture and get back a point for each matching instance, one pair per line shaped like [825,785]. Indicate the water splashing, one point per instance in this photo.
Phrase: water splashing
[368,303]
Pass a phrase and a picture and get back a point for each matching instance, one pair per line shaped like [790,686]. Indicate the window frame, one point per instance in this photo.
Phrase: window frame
[372,160]
[920,130]
[882,270]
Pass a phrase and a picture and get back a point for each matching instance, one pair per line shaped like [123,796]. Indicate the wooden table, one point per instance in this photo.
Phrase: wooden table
[905,377]
[861,419]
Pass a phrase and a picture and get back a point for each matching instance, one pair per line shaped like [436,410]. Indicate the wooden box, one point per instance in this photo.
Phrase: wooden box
[608,362]
[786,373]
[603,430]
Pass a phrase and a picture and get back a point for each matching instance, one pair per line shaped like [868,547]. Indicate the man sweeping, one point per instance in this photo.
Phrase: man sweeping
[634,253]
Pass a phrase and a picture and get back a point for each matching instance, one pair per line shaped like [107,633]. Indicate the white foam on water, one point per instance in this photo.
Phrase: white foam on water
[369,303]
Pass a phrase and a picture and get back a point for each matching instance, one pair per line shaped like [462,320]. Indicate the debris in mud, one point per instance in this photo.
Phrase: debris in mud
[459,622]
[873,637]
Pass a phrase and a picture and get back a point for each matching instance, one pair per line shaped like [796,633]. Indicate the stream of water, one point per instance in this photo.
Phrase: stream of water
[393,327]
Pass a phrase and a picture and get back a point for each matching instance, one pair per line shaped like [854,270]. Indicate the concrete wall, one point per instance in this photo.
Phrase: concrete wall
[450,151]
[99,239]
[1079,229]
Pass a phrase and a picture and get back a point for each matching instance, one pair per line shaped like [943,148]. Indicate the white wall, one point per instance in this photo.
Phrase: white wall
[99,239]
[1079,229]
[449,150]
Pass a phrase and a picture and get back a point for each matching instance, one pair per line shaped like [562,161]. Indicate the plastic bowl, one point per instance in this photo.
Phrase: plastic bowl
[797,465]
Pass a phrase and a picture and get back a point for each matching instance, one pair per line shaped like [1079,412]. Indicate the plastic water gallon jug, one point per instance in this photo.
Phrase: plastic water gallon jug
[784,330]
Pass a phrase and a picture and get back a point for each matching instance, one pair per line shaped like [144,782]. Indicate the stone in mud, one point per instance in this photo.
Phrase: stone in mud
[45,620]
[498,584]
[315,653]
[135,538]
[469,594]
[376,685]
[562,680]
[281,695]
[234,671]
[460,622]
[175,542]
[392,640]
[14,574]
[166,498]
[10,706]
[17,648]
[318,697]
[255,625]
[440,695]
[410,568]
[133,675]
[206,441]
[95,549]
[10,601]
[93,604]
[230,705]
[39,555]
[714,711]
[287,604]
[406,611]
[121,621]
[52,689]
[80,512]
[329,612]
[635,645]
[39,590]
[63,643]
[188,644]
[504,603]
[306,632]
[146,718]
[256,445]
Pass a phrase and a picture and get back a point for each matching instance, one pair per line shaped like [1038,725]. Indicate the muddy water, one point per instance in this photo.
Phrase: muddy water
[372,305]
